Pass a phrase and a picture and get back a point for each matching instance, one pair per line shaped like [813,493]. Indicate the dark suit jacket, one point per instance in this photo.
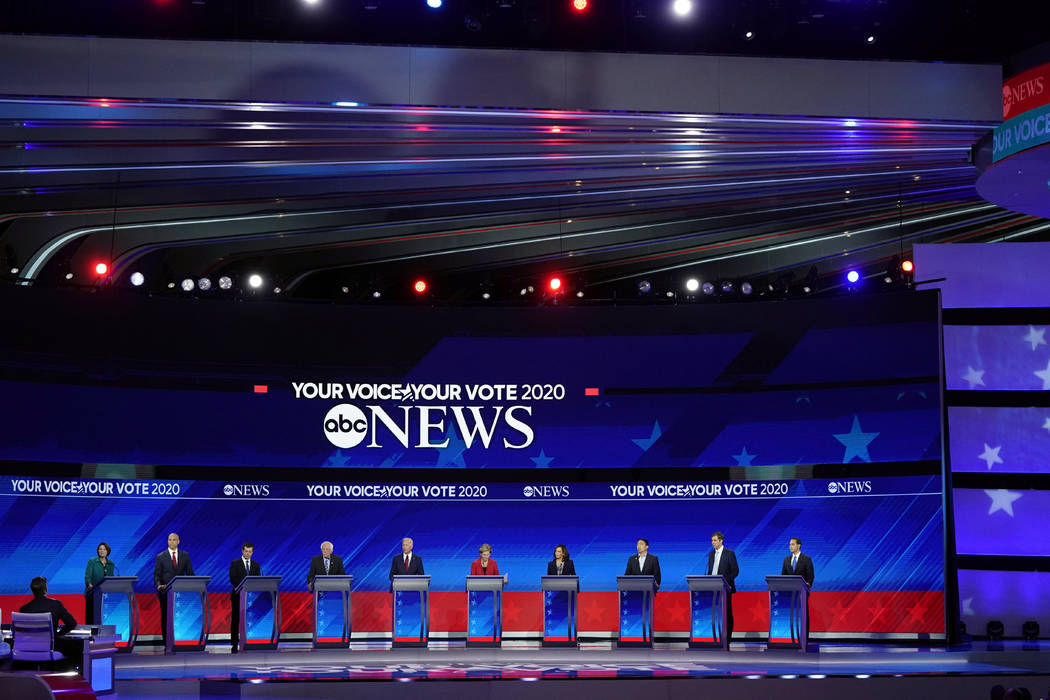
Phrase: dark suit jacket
[803,569]
[567,570]
[652,567]
[58,612]
[726,566]
[163,571]
[335,568]
[397,566]
[237,573]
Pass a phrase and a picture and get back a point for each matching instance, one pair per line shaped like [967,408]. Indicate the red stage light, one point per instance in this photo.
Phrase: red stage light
[101,268]
[555,284]
[908,266]
[420,286]
[579,5]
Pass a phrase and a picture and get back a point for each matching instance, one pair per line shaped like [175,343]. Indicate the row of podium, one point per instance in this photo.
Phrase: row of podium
[189,618]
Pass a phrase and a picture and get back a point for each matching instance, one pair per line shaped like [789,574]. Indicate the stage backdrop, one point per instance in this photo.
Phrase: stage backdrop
[110,379]
[876,543]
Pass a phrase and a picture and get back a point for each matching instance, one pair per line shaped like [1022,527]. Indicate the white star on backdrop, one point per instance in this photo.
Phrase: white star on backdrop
[744,459]
[646,443]
[1044,374]
[1035,337]
[1046,425]
[1002,500]
[991,455]
[856,442]
[974,376]
[968,607]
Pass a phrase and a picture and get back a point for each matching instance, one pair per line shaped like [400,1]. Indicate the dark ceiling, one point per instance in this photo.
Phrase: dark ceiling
[944,30]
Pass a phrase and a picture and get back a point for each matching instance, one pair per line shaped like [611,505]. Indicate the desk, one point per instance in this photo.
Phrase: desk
[98,644]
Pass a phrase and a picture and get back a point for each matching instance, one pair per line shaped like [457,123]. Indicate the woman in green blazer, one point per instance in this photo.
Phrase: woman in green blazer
[97,568]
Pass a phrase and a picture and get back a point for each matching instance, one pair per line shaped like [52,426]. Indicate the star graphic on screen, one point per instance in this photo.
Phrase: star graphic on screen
[453,453]
[968,607]
[646,443]
[542,460]
[677,611]
[338,459]
[1035,337]
[838,612]
[878,611]
[591,613]
[856,442]
[991,455]
[1046,425]
[744,459]
[1002,500]
[917,612]
[974,376]
[1044,374]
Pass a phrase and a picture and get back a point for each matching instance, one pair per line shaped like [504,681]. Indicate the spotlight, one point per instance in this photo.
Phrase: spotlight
[377,294]
[69,275]
[908,267]
[101,268]
[225,282]
[1030,630]
[137,279]
[14,270]
[276,290]
[708,288]
[434,4]
[871,39]
[579,5]
[692,284]
[579,294]
[726,287]
[749,35]
[346,290]
[420,286]
[187,285]
[555,284]
[255,281]
[486,295]
[995,630]
[311,2]
[746,289]
[645,286]
[204,284]
[682,7]
[852,276]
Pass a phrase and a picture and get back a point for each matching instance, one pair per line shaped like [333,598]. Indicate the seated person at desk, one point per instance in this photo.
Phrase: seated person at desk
[72,649]
[561,565]
[483,565]
[97,569]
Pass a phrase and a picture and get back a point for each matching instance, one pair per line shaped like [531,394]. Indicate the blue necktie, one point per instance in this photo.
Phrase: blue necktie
[794,561]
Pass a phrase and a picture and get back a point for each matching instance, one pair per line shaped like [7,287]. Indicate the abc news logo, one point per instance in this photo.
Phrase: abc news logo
[846,487]
[546,491]
[346,425]
[246,490]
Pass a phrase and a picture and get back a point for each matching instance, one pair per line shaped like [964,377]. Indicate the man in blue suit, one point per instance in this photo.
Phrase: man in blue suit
[721,561]
[170,563]
[407,563]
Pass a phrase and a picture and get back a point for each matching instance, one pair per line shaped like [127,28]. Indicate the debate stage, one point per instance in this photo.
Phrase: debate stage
[863,671]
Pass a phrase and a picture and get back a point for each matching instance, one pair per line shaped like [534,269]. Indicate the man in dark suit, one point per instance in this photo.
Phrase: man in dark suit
[170,563]
[643,563]
[240,568]
[72,649]
[797,563]
[324,564]
[407,563]
[721,561]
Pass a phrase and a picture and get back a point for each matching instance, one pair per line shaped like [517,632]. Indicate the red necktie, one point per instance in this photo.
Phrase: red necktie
[406,562]
[174,564]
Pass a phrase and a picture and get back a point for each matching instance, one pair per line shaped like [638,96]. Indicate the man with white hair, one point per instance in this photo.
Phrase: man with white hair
[324,564]
[407,563]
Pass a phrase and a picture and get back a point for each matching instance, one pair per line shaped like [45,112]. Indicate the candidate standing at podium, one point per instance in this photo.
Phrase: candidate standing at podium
[561,565]
[643,563]
[240,568]
[170,563]
[484,565]
[97,569]
[721,561]
[797,563]
[324,564]
[407,563]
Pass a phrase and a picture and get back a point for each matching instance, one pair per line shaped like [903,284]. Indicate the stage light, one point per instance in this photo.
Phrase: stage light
[554,284]
[682,7]
[137,279]
[749,35]
[377,294]
[852,276]
[692,284]
[579,294]
[347,104]
[311,2]
[204,284]
[14,270]
[101,268]
[171,285]
[276,290]
[434,4]
[871,39]
[746,289]
[486,295]
[645,286]
[908,266]
[995,630]
[187,285]
[670,295]
[225,282]
[1030,630]
[420,286]
[255,281]
[579,5]
[69,275]
[851,122]
[726,286]
[708,288]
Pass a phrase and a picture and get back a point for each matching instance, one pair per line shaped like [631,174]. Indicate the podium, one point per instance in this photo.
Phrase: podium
[484,610]
[333,612]
[788,612]
[559,610]
[189,615]
[113,600]
[411,610]
[259,605]
[637,594]
[707,611]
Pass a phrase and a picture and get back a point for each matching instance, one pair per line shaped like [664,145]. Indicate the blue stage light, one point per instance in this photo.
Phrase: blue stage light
[435,4]
[852,276]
